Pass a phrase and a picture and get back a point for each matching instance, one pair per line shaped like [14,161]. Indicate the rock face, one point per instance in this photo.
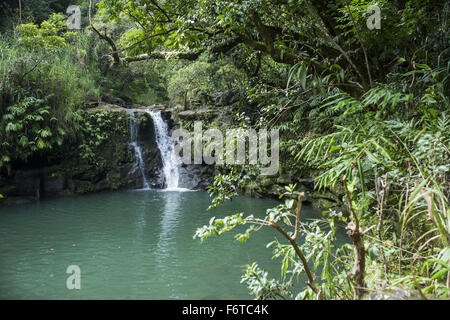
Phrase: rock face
[112,164]
[206,115]
[195,177]
[274,186]
[191,176]
[52,185]
[150,153]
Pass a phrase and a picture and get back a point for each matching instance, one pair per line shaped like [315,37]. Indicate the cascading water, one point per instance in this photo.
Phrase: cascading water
[167,148]
[139,163]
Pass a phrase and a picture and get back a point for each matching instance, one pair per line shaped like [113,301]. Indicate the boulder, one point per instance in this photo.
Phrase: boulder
[195,177]
[266,181]
[113,100]
[198,115]
[82,186]
[52,185]
[285,179]
[113,180]
[27,184]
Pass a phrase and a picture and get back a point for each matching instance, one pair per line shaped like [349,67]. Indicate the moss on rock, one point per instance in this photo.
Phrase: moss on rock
[83,186]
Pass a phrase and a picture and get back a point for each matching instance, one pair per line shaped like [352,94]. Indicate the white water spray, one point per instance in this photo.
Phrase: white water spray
[167,148]
[139,163]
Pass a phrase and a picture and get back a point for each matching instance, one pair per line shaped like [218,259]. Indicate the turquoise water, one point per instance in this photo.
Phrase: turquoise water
[128,245]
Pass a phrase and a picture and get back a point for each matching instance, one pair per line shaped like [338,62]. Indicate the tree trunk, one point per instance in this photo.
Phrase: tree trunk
[360,259]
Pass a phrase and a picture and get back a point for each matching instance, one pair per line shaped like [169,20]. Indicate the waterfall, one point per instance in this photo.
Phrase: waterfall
[139,162]
[167,148]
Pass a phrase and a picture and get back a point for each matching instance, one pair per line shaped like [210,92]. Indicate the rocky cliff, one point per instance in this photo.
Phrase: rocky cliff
[101,159]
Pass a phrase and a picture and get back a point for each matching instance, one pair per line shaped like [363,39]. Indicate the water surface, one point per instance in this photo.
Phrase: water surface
[128,245]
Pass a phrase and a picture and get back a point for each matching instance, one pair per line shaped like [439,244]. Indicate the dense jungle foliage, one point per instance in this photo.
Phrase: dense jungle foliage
[363,110]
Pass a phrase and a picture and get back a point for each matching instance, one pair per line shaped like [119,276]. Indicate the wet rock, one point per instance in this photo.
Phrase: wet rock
[113,180]
[27,184]
[285,179]
[82,186]
[113,100]
[8,189]
[322,199]
[52,185]
[252,189]
[102,185]
[16,200]
[198,115]
[276,190]
[266,181]
[195,177]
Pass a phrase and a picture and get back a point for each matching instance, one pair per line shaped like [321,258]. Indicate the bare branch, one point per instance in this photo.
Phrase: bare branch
[104,37]
[297,215]
[300,255]
[161,9]
[354,232]
[362,45]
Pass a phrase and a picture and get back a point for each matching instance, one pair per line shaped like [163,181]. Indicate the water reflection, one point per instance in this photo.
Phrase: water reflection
[140,215]
[166,255]
[170,217]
